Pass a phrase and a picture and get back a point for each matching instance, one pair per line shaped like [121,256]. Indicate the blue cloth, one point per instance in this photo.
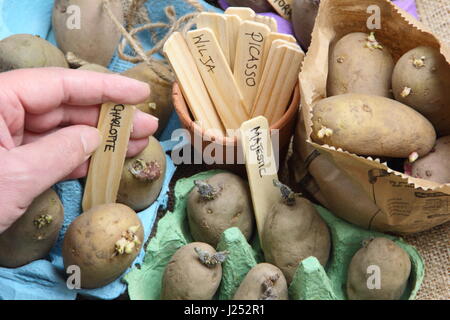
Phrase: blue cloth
[45,279]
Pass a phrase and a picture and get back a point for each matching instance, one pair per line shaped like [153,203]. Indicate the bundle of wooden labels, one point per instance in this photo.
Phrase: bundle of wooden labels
[234,67]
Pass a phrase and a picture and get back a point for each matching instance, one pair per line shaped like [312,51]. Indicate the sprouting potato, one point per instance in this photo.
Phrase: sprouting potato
[421,80]
[103,242]
[294,231]
[372,126]
[360,64]
[393,264]
[143,177]
[34,234]
[263,282]
[193,273]
[218,203]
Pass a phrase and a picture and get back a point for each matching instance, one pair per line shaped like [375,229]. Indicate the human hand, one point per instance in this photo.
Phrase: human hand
[47,129]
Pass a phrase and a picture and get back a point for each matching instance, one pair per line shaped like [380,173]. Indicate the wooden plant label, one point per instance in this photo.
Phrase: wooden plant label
[269,21]
[249,56]
[242,12]
[191,83]
[271,38]
[217,76]
[261,167]
[105,170]
[233,24]
[269,77]
[218,24]
[283,7]
[285,83]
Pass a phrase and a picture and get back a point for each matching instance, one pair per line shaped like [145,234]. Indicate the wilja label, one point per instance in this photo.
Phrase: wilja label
[201,44]
[283,7]
[114,126]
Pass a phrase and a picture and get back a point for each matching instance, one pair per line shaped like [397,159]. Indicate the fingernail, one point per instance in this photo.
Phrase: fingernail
[146,116]
[90,138]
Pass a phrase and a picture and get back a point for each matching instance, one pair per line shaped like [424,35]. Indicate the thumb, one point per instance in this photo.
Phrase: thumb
[48,160]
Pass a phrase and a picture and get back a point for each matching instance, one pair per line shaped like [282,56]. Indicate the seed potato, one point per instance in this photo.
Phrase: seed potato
[28,51]
[103,242]
[360,64]
[372,126]
[421,80]
[218,203]
[159,104]
[263,282]
[34,234]
[95,67]
[96,37]
[394,268]
[193,273]
[294,231]
[435,166]
[143,177]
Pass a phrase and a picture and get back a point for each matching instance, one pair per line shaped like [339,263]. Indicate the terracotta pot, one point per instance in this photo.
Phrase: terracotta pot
[229,145]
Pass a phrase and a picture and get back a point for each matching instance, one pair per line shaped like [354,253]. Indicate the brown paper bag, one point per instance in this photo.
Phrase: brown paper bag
[358,189]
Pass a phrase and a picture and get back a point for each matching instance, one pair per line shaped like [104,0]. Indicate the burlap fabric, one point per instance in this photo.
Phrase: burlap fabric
[434,245]
[436,15]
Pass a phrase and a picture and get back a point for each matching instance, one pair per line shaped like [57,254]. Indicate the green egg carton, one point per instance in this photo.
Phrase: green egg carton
[311,281]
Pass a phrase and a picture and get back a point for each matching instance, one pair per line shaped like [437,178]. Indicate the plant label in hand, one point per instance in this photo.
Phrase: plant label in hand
[105,170]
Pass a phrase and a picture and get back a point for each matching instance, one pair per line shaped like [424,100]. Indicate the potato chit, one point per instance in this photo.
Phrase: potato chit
[294,231]
[263,282]
[143,177]
[371,126]
[359,63]
[34,234]
[221,202]
[389,267]
[435,166]
[193,273]
[103,242]
[421,80]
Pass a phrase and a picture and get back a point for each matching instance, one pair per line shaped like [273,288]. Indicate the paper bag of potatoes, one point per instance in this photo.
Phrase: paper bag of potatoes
[372,140]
